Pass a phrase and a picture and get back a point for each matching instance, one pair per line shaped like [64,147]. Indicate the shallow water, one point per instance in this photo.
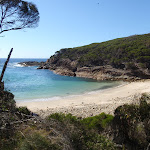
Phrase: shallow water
[28,83]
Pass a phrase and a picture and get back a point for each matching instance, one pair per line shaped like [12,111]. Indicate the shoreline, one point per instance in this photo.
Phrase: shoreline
[120,83]
[93,103]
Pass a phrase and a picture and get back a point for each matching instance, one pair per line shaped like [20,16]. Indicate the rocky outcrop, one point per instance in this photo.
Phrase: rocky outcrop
[31,63]
[119,59]
[106,72]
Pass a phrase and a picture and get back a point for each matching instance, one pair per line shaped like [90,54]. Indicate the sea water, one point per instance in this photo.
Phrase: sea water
[28,83]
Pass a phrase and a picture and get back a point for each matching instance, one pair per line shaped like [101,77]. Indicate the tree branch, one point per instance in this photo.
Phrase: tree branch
[10,29]
[17,14]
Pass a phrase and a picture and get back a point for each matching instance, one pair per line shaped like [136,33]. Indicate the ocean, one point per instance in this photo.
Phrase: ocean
[30,84]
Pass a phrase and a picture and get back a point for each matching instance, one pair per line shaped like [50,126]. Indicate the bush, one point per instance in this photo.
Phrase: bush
[142,65]
[62,117]
[7,102]
[144,107]
[84,133]
[131,124]
[36,141]
[23,110]
[97,122]
[88,140]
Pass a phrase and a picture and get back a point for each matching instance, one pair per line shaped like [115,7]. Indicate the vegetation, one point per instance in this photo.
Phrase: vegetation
[20,130]
[121,53]
[7,102]
[85,133]
[99,122]
[129,128]
[132,123]
[17,14]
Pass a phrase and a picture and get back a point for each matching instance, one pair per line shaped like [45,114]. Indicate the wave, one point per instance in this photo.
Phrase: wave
[18,65]
[14,65]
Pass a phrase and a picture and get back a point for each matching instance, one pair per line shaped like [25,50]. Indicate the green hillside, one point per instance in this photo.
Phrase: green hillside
[120,53]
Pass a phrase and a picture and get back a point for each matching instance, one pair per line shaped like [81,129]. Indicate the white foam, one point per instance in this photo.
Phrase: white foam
[18,65]
[14,65]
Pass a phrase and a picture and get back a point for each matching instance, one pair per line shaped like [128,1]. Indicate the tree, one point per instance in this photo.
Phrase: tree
[17,14]
[3,71]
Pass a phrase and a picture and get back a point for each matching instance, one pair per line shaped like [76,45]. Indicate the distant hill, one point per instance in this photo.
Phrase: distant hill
[122,58]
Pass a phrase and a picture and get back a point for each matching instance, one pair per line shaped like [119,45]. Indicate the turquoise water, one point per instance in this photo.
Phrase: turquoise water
[28,83]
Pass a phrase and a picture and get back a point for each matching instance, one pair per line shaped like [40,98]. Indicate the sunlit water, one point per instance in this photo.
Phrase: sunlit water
[28,83]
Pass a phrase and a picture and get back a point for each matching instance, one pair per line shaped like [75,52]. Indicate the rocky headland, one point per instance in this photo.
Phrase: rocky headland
[120,59]
[31,63]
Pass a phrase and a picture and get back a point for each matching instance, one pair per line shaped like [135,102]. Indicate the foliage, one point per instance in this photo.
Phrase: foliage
[20,130]
[7,101]
[84,139]
[17,14]
[97,122]
[36,141]
[120,53]
[23,110]
[131,123]
[130,127]
[84,133]
[25,140]
[62,117]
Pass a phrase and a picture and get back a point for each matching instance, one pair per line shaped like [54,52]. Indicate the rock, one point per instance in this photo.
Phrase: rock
[64,71]
[68,67]
[31,63]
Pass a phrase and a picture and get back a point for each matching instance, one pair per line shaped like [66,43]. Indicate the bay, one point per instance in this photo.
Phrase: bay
[28,83]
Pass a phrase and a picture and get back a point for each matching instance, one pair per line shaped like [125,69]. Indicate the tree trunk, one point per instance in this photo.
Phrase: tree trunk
[3,71]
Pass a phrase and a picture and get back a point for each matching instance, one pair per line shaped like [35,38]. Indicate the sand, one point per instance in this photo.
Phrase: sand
[93,103]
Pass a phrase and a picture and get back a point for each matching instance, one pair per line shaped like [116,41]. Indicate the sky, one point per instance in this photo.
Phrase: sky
[73,23]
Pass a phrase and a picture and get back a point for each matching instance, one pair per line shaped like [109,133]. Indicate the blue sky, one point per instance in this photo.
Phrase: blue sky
[73,23]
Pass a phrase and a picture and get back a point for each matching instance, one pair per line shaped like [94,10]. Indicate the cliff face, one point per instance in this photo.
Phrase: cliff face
[120,59]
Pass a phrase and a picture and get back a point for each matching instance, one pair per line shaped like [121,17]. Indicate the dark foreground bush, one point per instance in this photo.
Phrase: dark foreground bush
[84,134]
[23,110]
[7,102]
[35,141]
[132,124]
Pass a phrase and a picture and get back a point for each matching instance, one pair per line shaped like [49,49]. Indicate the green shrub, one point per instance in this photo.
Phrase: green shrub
[100,143]
[90,140]
[62,117]
[144,107]
[23,110]
[142,65]
[131,124]
[7,102]
[84,133]
[131,65]
[36,141]
[57,116]
[97,122]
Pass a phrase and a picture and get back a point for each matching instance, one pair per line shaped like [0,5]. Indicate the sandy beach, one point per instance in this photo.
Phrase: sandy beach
[92,103]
